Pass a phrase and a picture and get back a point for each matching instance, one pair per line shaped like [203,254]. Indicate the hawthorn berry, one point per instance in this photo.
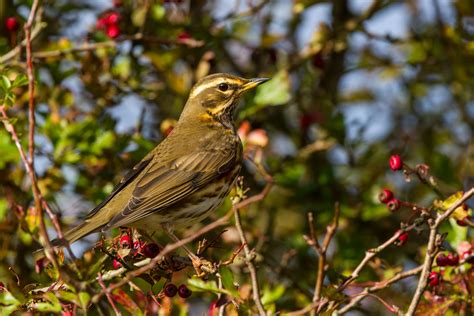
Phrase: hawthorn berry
[385,196]
[452,259]
[125,241]
[112,18]
[170,290]
[113,31]
[318,61]
[434,278]
[468,257]
[116,264]
[395,163]
[402,239]
[441,260]
[101,24]
[184,292]
[151,250]
[393,204]
[138,245]
[12,24]
[184,36]
[461,222]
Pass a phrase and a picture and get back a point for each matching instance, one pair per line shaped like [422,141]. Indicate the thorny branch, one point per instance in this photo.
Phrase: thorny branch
[433,241]
[321,250]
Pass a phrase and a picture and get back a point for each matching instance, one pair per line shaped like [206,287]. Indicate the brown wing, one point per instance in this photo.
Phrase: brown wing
[129,177]
[165,184]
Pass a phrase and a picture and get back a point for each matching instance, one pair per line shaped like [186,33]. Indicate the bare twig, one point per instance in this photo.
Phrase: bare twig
[249,257]
[434,239]
[31,133]
[17,49]
[369,254]
[109,297]
[377,287]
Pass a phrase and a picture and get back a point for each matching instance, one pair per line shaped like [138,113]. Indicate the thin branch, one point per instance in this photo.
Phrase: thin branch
[109,297]
[377,287]
[249,257]
[369,254]
[433,241]
[17,49]
[31,133]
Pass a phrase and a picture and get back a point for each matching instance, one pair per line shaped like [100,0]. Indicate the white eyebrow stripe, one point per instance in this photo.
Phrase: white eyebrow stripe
[203,87]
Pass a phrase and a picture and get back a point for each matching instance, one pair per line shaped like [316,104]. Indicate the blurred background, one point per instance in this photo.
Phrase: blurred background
[353,81]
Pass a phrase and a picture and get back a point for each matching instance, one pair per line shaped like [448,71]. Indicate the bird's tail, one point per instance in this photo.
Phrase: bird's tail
[69,237]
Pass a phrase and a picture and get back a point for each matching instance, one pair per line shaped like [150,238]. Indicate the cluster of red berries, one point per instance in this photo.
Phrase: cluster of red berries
[109,24]
[386,197]
[171,290]
[138,247]
[434,278]
[12,24]
[450,260]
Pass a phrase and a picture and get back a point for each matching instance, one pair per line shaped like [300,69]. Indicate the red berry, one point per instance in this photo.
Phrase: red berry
[385,196]
[184,292]
[170,290]
[452,259]
[116,264]
[112,18]
[151,250]
[101,24]
[125,241]
[461,222]
[434,278]
[184,36]
[113,31]
[402,239]
[441,260]
[396,162]
[468,257]
[138,245]
[393,205]
[12,24]
[67,313]
[318,61]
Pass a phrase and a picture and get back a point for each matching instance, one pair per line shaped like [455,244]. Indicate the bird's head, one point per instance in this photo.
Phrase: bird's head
[215,97]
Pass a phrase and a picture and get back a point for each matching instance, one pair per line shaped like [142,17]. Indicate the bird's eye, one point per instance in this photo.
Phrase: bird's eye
[223,86]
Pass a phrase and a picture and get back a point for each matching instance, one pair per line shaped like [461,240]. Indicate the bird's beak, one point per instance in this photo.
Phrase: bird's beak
[252,83]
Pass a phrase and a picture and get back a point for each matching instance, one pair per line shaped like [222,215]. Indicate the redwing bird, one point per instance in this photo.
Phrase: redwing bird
[187,175]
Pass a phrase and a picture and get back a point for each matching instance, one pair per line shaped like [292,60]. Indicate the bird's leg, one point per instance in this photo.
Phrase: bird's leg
[201,265]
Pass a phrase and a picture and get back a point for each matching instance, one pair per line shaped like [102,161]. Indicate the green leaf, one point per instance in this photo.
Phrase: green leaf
[51,304]
[274,92]
[20,80]
[205,286]
[158,12]
[228,279]
[142,284]
[139,16]
[269,296]
[84,299]
[5,83]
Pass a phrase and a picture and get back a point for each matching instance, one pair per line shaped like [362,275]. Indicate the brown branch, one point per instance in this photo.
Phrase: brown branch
[109,297]
[31,140]
[249,257]
[110,44]
[17,49]
[433,241]
[377,287]
[369,254]
[321,250]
